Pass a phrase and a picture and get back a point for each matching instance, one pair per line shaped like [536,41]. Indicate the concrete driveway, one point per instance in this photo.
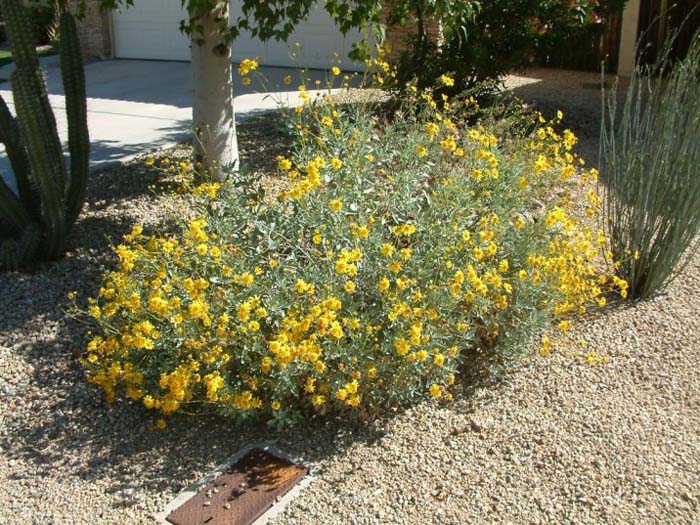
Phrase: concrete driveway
[135,106]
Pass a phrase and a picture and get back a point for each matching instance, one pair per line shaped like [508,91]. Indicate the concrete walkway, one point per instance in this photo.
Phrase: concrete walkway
[135,106]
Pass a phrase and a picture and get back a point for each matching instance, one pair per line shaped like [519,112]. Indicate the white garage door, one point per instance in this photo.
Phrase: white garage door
[150,30]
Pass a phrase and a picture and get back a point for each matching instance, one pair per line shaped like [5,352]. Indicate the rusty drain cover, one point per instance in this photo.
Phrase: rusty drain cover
[242,493]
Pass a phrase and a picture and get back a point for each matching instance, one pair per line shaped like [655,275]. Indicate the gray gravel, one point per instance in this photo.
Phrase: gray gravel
[557,441]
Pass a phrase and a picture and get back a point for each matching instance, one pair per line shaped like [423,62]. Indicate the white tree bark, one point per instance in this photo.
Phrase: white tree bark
[213,117]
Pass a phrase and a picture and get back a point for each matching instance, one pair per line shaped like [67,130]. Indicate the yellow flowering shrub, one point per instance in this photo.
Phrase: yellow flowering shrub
[393,250]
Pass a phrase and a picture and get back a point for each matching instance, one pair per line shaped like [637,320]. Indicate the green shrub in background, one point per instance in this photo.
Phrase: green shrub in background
[43,19]
[651,161]
[492,38]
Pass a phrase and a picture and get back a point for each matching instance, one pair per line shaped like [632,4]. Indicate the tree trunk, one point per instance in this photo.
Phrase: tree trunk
[213,118]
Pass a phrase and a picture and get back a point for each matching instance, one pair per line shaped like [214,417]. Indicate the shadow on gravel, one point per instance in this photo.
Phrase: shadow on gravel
[59,425]
[111,210]
[576,93]
[73,432]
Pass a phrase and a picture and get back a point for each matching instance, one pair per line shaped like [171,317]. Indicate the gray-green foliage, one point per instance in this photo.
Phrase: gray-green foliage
[651,161]
[35,221]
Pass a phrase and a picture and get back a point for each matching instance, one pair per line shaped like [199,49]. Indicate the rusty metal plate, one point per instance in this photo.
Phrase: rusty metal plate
[242,493]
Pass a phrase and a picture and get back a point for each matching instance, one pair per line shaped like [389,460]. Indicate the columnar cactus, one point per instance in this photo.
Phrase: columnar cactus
[35,221]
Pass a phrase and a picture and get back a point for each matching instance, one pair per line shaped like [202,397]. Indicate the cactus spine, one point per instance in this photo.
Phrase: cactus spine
[35,223]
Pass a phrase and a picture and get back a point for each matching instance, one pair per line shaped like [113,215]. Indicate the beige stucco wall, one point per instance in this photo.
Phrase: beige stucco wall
[628,38]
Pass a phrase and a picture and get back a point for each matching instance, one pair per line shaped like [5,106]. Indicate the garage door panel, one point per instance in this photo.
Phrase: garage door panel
[144,41]
[150,30]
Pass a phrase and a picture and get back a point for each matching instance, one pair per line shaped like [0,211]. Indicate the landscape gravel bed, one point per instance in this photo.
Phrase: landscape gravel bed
[557,440]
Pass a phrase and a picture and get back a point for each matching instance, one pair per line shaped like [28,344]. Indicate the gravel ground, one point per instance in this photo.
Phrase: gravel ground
[556,441]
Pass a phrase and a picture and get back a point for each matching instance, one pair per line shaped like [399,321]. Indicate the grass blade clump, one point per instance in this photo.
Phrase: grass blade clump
[652,169]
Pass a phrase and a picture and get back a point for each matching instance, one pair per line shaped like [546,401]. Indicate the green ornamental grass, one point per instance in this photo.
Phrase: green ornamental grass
[651,158]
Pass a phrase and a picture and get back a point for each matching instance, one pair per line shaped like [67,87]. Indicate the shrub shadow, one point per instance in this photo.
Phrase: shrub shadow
[57,422]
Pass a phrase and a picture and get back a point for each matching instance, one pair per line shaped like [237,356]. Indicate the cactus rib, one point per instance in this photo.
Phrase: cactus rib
[10,137]
[46,165]
[76,112]
[13,216]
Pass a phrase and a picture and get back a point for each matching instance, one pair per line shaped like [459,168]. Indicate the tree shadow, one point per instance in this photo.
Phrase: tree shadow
[576,93]
[79,433]
[67,425]
[118,197]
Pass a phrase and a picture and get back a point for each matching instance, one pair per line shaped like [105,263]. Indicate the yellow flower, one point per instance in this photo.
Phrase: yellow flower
[349,286]
[336,205]
[435,390]
[387,249]
[266,364]
[421,150]
[384,284]
[447,81]
[341,394]
[275,405]
[284,164]
[545,346]
[245,81]
[336,330]
[310,386]
[341,267]
[335,70]
[247,65]
[302,286]
[161,424]
[362,232]
[318,400]
[198,309]
[95,312]
[287,80]
[401,346]
[336,163]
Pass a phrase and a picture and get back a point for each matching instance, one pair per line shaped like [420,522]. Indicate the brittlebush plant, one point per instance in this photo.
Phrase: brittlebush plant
[391,251]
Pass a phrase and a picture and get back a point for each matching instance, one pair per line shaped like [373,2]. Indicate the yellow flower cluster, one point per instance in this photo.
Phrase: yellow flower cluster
[367,282]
